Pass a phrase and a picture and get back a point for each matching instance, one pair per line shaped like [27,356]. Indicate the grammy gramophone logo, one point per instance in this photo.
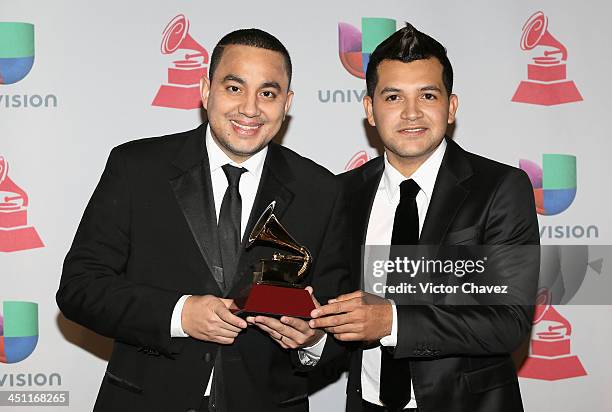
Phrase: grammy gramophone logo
[183,88]
[547,82]
[359,159]
[15,234]
[550,355]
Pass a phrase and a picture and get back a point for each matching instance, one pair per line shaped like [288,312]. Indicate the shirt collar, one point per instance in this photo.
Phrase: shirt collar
[424,176]
[218,158]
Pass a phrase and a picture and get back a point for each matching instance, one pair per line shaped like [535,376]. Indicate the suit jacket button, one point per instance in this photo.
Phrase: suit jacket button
[207,357]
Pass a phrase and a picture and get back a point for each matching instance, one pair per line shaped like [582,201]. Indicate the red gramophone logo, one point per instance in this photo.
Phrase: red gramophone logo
[359,159]
[15,234]
[550,356]
[183,88]
[547,82]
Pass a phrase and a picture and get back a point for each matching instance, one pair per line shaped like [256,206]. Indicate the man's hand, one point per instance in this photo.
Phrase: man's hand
[356,316]
[209,318]
[288,332]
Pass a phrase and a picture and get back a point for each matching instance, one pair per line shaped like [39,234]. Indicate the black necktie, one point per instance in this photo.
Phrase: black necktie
[229,223]
[395,373]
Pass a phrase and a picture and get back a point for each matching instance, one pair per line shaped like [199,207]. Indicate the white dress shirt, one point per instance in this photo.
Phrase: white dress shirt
[249,182]
[380,228]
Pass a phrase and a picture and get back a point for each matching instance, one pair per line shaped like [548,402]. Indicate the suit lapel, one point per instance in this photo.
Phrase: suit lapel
[273,187]
[193,191]
[448,195]
[361,198]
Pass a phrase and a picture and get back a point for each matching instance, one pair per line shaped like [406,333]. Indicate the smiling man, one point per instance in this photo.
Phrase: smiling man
[426,190]
[160,252]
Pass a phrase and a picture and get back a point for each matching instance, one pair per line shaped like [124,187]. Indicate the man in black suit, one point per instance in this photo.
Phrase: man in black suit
[158,257]
[426,190]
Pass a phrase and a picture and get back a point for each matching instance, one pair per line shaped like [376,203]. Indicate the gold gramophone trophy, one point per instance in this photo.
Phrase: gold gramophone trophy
[275,290]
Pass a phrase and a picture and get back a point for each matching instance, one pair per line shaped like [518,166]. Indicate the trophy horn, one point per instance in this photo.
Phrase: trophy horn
[269,229]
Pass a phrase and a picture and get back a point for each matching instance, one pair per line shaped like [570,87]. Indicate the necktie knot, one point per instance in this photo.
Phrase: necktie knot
[409,189]
[233,174]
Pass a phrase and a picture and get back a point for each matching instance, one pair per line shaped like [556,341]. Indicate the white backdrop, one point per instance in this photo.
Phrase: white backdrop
[99,66]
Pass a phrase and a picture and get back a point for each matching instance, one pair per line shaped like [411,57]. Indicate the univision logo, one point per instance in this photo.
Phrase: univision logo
[16,61]
[356,47]
[16,51]
[18,330]
[554,184]
[554,188]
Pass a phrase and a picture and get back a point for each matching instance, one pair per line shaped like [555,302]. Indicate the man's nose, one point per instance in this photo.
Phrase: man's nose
[411,110]
[249,106]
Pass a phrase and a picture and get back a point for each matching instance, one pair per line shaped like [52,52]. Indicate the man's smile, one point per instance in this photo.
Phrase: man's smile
[245,128]
[412,130]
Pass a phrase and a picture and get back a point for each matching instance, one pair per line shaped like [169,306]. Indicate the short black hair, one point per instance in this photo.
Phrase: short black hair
[249,37]
[407,45]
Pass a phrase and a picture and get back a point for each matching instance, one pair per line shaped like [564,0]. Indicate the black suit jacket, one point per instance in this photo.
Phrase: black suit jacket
[147,237]
[460,355]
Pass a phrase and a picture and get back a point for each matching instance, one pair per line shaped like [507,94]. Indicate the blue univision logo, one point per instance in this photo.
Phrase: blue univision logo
[18,330]
[16,51]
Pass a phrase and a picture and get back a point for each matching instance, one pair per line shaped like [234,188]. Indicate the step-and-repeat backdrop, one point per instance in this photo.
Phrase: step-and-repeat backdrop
[78,78]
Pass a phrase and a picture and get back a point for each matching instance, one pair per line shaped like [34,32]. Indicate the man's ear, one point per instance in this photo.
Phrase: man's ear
[205,90]
[288,103]
[453,104]
[367,105]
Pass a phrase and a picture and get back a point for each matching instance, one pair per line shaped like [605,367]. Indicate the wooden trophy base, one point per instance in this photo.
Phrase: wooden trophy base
[275,301]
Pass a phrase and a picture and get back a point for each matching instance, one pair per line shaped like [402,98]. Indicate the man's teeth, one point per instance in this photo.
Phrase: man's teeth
[243,127]
[418,129]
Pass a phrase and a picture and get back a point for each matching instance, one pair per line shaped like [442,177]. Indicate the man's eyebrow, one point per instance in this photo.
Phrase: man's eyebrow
[240,80]
[390,90]
[430,88]
[233,78]
[272,84]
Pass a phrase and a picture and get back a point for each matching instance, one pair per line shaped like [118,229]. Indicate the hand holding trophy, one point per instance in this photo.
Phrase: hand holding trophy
[275,290]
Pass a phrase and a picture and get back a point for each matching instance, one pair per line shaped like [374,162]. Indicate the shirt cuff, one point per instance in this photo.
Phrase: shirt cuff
[391,340]
[176,327]
[310,355]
